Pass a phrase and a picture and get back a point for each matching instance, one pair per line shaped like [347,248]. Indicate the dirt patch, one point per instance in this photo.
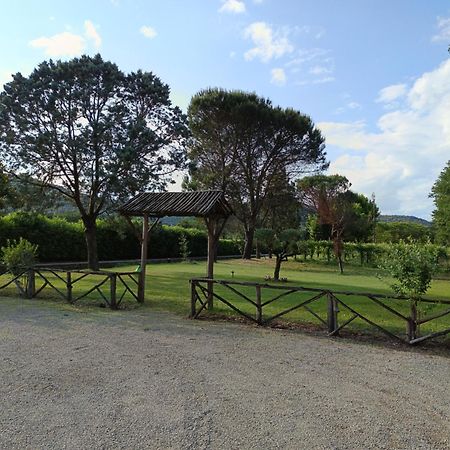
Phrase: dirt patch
[139,379]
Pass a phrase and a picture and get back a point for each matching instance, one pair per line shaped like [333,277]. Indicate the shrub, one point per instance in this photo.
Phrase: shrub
[19,255]
[412,265]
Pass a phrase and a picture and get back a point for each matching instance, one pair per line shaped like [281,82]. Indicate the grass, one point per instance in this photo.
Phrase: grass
[167,289]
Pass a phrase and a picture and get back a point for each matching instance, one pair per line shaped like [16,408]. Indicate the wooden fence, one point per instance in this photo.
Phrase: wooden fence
[110,286]
[202,293]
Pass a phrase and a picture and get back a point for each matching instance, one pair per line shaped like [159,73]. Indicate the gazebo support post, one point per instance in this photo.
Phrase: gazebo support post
[211,225]
[215,226]
[144,244]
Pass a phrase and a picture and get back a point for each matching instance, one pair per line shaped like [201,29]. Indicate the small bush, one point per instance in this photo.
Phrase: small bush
[19,255]
[412,265]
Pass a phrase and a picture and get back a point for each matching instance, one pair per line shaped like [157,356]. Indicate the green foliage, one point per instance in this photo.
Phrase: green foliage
[184,247]
[441,215]
[27,194]
[61,240]
[4,187]
[394,232]
[94,134]
[18,255]
[280,243]
[412,265]
[248,148]
[312,226]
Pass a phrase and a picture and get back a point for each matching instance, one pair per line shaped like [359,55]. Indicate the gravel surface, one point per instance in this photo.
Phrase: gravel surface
[141,379]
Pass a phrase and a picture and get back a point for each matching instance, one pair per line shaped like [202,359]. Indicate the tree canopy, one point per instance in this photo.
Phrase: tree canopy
[242,143]
[328,195]
[281,243]
[4,187]
[91,132]
[441,215]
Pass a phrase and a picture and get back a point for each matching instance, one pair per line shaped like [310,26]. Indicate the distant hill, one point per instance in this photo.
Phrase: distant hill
[412,219]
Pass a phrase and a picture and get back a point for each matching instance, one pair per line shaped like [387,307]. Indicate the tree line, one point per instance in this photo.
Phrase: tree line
[96,136]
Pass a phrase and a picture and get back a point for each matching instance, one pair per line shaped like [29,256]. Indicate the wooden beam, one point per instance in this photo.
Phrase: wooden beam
[144,243]
[211,225]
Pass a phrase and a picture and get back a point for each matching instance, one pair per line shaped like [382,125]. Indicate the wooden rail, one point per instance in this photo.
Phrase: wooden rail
[31,282]
[202,290]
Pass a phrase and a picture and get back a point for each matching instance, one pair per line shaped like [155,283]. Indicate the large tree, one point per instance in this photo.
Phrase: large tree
[441,215]
[4,187]
[91,132]
[242,143]
[330,197]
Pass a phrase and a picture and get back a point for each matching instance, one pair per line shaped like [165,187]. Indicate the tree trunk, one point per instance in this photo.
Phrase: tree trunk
[337,247]
[248,247]
[90,234]
[276,272]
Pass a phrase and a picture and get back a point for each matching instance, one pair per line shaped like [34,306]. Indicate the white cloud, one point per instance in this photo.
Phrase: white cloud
[310,55]
[400,160]
[320,70]
[353,105]
[148,32]
[269,44]
[232,6]
[92,33]
[62,44]
[391,93]
[443,26]
[278,77]
[323,80]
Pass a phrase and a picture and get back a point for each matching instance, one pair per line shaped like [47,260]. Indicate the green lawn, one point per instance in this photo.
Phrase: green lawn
[167,288]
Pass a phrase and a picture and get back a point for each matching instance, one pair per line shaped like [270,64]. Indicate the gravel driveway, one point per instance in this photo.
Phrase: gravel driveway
[140,379]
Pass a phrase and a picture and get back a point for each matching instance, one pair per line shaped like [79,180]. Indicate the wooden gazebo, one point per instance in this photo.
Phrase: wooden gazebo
[211,205]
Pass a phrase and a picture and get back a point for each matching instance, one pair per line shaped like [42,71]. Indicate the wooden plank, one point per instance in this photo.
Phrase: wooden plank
[113,291]
[303,289]
[370,322]
[91,290]
[69,286]
[144,244]
[13,280]
[49,283]
[193,299]
[342,325]
[429,336]
[239,293]
[127,288]
[433,316]
[293,308]
[291,291]
[315,314]
[234,308]
[258,305]
[331,314]
[392,310]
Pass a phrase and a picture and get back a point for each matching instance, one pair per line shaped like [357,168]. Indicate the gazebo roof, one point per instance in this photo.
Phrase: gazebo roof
[195,203]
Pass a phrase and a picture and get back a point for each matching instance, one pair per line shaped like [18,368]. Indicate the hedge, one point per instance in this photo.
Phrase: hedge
[365,253]
[60,240]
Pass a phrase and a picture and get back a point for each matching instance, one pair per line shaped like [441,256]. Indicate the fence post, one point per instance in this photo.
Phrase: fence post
[332,313]
[69,286]
[412,324]
[31,284]
[210,291]
[193,298]
[113,280]
[258,305]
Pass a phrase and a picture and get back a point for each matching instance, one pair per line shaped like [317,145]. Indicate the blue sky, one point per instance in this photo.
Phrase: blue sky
[373,74]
